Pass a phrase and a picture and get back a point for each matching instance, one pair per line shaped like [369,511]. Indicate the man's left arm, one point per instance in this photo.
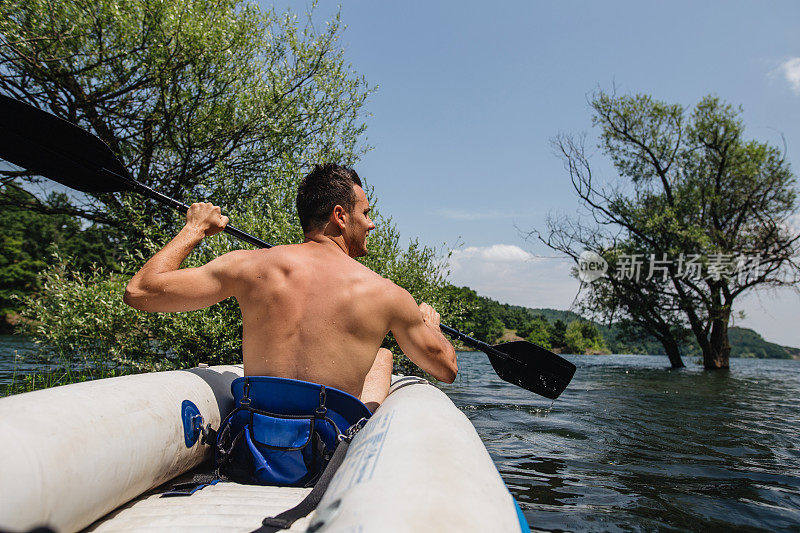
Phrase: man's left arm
[162,286]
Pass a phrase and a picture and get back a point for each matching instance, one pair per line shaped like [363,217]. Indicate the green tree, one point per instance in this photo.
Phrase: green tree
[558,334]
[594,338]
[582,337]
[475,315]
[689,185]
[514,317]
[573,338]
[29,239]
[200,99]
[537,331]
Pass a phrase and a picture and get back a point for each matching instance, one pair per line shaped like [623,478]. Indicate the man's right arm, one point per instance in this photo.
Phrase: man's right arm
[416,329]
[162,286]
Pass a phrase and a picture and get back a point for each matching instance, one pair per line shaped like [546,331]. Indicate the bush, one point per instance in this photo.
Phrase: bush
[582,337]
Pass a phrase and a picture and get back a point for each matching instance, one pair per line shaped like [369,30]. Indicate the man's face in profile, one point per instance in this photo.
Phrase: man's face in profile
[359,225]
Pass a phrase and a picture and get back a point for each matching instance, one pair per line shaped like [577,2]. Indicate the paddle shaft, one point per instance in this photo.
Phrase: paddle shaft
[475,343]
[255,241]
[183,208]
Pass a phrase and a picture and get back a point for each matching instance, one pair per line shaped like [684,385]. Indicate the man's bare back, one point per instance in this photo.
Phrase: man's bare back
[310,310]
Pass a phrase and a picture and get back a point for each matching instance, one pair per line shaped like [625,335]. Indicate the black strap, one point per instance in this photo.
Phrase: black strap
[290,516]
[405,381]
[204,476]
[186,489]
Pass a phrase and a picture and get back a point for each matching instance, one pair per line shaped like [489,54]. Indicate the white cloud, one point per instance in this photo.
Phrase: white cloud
[794,222]
[495,252]
[509,274]
[791,71]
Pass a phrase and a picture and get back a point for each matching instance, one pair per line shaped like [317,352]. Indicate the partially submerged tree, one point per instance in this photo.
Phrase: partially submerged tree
[698,213]
[641,305]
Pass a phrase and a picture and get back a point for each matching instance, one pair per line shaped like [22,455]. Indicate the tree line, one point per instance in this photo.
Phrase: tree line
[568,332]
[490,321]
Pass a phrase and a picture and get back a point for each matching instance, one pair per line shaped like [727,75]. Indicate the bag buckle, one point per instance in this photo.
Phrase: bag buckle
[352,430]
[245,401]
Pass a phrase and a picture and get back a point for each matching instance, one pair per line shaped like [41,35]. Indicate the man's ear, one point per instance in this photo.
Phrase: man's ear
[339,216]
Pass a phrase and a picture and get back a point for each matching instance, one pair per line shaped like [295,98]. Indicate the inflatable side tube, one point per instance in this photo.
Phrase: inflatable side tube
[71,454]
[418,465]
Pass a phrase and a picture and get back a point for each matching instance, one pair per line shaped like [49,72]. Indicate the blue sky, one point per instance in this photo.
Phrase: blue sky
[470,93]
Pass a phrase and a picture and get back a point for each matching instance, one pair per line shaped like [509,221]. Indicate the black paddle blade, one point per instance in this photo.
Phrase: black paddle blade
[532,367]
[57,149]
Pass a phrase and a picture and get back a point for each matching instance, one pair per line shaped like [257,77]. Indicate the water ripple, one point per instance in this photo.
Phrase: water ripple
[634,446]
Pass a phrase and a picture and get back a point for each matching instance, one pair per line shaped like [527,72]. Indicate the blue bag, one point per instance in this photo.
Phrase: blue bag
[283,431]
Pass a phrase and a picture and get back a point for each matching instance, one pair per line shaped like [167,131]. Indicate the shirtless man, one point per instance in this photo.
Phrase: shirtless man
[310,310]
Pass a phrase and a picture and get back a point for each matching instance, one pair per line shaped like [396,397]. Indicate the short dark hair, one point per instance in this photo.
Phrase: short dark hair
[325,187]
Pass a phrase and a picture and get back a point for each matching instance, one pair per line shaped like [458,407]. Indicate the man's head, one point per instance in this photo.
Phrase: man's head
[334,193]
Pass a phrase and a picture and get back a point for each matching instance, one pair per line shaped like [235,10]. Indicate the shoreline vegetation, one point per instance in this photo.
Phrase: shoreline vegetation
[563,332]
[568,332]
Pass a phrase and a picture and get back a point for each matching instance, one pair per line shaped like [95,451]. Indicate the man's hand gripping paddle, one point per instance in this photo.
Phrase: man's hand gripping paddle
[57,149]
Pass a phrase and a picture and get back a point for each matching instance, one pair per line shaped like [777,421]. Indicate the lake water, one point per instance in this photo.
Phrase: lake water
[13,364]
[631,445]
[634,446]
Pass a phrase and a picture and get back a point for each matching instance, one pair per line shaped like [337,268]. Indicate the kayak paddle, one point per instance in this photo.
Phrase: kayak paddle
[524,364]
[58,149]
[66,153]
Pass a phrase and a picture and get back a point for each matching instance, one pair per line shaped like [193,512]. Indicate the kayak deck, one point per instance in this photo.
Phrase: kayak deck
[418,465]
[226,506]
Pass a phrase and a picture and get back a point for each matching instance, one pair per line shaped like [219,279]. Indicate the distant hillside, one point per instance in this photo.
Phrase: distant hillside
[745,342]
[489,321]
[550,314]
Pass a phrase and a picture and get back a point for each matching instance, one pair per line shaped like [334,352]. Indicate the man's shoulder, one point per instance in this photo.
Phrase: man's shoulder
[389,290]
[243,257]
[380,281]
[245,264]
[275,254]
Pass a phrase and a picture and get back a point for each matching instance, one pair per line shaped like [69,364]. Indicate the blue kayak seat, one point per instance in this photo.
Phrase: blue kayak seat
[283,431]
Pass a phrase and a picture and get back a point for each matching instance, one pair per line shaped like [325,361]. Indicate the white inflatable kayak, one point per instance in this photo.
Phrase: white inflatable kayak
[99,454]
